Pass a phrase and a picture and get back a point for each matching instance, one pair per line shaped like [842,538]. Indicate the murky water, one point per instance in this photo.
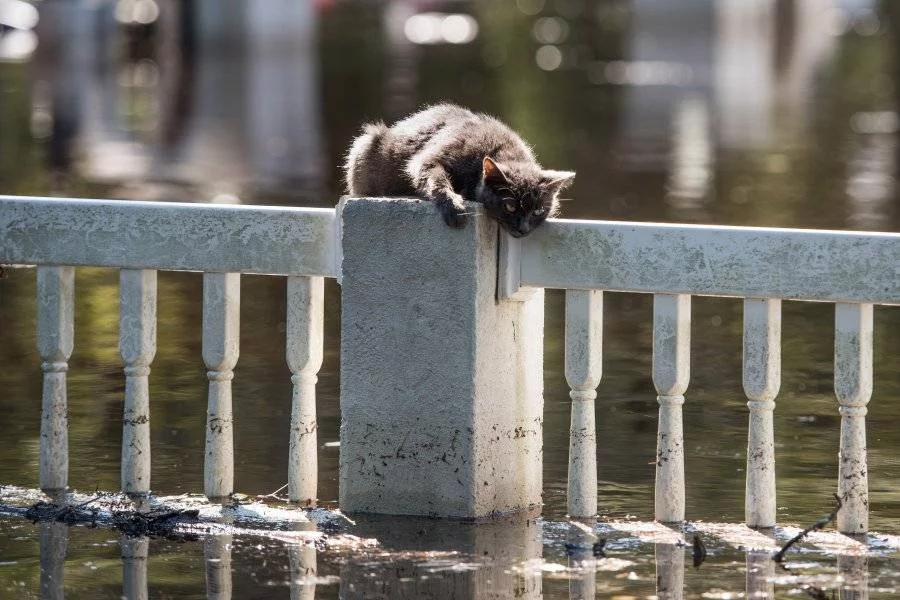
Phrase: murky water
[753,113]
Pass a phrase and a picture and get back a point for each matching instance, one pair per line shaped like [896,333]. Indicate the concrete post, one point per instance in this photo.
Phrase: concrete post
[441,384]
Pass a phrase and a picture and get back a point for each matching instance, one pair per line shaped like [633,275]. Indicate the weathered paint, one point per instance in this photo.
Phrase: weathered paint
[55,339]
[137,345]
[221,329]
[305,341]
[441,398]
[167,235]
[853,387]
[583,367]
[744,262]
[762,379]
[671,374]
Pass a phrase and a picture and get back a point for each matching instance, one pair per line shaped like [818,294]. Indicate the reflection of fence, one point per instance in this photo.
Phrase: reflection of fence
[493,425]
[139,238]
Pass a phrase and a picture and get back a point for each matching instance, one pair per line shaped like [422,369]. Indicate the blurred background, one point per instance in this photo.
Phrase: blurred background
[746,112]
[756,112]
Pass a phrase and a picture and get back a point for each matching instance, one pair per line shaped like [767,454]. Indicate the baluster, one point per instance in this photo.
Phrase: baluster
[305,339]
[762,379]
[671,373]
[56,328]
[221,329]
[137,344]
[853,388]
[584,361]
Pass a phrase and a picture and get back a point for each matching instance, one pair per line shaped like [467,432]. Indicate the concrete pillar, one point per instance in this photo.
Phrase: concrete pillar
[441,384]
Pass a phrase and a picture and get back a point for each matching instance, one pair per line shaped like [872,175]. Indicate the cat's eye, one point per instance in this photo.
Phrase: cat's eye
[509,204]
[539,212]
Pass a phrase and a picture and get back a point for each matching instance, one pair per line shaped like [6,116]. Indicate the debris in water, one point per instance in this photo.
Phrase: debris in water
[779,556]
[699,551]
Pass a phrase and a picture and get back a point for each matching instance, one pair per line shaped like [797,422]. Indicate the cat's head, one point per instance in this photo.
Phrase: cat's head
[520,195]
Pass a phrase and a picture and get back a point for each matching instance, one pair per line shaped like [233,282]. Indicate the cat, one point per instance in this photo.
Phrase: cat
[448,154]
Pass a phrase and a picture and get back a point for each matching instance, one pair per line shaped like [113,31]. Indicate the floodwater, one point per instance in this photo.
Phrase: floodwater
[770,113]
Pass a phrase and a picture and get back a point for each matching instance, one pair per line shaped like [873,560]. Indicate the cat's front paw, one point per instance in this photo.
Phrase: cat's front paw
[455,216]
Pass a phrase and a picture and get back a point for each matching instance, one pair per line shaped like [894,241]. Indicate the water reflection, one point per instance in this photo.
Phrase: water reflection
[447,559]
[54,540]
[217,552]
[509,558]
[135,551]
[303,571]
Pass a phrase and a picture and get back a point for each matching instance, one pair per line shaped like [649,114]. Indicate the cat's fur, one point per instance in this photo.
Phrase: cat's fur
[448,154]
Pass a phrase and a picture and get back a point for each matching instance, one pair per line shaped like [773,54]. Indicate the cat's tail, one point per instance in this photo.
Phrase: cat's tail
[363,158]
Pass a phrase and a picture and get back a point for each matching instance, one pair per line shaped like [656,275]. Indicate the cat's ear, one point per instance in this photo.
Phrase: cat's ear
[554,181]
[492,172]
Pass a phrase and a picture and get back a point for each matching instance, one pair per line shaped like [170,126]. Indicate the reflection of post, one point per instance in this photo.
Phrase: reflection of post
[760,574]
[283,92]
[402,75]
[854,572]
[303,566]
[744,78]
[583,584]
[134,567]
[54,539]
[691,155]
[492,559]
[217,551]
[669,572]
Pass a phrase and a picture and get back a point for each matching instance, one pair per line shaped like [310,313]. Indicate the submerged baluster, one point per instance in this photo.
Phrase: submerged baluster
[217,552]
[221,329]
[54,539]
[305,339]
[669,571]
[135,552]
[853,388]
[762,379]
[137,344]
[56,328]
[303,567]
[584,362]
[671,374]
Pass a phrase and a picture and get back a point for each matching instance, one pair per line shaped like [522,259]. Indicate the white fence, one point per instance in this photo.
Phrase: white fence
[140,238]
[764,266]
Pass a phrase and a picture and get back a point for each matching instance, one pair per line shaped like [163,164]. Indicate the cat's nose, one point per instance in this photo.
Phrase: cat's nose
[523,227]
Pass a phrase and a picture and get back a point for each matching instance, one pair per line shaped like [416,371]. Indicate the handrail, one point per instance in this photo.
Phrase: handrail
[170,236]
[705,260]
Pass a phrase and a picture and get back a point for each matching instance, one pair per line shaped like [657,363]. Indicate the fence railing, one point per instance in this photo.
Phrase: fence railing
[763,266]
[673,262]
[140,238]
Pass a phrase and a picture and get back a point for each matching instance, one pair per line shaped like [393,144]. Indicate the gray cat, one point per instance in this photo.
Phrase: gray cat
[448,154]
